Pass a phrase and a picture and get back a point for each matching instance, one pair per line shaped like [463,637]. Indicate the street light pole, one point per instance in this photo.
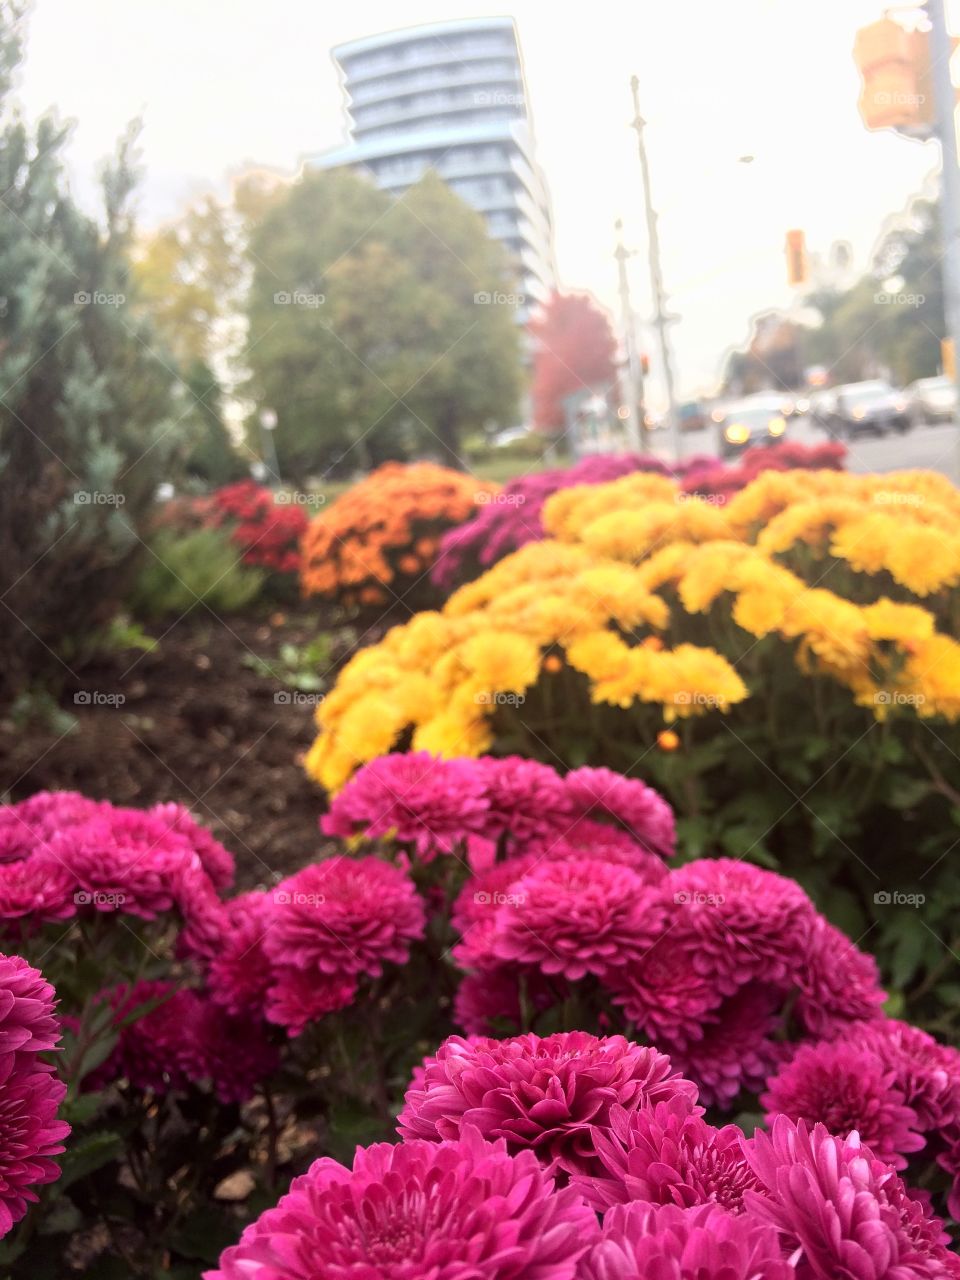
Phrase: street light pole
[633,377]
[268,425]
[941,48]
[661,317]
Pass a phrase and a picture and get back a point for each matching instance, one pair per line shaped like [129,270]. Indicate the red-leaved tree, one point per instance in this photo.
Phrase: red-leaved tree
[574,349]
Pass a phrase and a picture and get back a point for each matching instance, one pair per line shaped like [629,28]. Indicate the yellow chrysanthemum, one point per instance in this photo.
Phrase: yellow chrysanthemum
[903,623]
[501,662]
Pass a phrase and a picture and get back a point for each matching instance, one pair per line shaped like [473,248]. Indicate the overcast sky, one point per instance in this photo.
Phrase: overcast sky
[223,82]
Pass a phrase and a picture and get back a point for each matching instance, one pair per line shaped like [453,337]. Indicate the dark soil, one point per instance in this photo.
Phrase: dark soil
[198,725]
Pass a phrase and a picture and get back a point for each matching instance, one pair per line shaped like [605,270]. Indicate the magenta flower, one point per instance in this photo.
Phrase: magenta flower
[457,1210]
[643,812]
[750,925]
[847,1089]
[215,860]
[414,798]
[737,1048]
[926,1072]
[587,838]
[667,1154]
[343,917]
[847,1212]
[296,998]
[547,1094]
[659,985]
[527,801]
[239,974]
[490,998]
[838,985]
[572,917]
[30,1093]
[33,893]
[664,1242]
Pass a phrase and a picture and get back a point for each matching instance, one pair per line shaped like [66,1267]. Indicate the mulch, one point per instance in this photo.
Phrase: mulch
[196,725]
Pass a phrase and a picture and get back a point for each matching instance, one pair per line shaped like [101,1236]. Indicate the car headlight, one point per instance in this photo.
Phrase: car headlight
[803,406]
[858,413]
[900,404]
[776,426]
[737,433]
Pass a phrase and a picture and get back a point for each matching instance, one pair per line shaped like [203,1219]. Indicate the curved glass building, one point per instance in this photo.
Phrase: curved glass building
[451,96]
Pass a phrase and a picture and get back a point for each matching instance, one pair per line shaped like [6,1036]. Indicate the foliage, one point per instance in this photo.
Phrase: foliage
[187,569]
[365,337]
[91,412]
[800,637]
[375,545]
[574,350]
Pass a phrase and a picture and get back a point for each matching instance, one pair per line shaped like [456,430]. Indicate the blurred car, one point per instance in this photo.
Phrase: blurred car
[796,405]
[758,420]
[868,408]
[510,435]
[932,400]
[692,416]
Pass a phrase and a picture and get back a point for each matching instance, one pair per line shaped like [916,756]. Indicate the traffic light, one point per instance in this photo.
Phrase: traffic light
[796,258]
[894,65]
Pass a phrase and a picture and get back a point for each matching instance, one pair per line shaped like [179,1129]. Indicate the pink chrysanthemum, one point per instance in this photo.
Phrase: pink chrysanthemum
[642,811]
[846,1089]
[238,974]
[572,918]
[737,1047]
[546,1094]
[750,924]
[25,826]
[232,1054]
[343,917]
[926,1072]
[215,860]
[418,1211]
[111,874]
[33,893]
[296,998]
[527,801]
[667,1154]
[658,983]
[847,1212]
[30,1133]
[838,985]
[415,798]
[586,838]
[665,1242]
[488,1002]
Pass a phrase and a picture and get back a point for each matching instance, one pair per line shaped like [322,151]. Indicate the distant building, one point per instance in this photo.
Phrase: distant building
[451,96]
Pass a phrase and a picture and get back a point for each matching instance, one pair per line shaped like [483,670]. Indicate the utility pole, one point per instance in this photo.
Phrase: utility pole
[661,317]
[632,378]
[941,48]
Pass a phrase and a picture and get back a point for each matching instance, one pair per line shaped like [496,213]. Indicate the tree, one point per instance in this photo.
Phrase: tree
[365,336]
[574,349]
[90,411]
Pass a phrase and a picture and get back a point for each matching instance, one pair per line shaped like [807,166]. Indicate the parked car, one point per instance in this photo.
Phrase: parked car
[692,416]
[869,408]
[932,400]
[757,420]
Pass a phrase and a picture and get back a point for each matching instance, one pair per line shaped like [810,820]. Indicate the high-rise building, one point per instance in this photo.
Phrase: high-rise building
[451,96]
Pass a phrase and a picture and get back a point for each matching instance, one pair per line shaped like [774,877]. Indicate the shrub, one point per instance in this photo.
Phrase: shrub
[377,542]
[266,529]
[186,569]
[800,640]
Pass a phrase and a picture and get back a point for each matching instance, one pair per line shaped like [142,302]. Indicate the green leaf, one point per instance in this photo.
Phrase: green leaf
[88,1154]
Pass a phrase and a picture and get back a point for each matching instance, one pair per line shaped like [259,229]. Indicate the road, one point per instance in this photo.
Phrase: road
[933,448]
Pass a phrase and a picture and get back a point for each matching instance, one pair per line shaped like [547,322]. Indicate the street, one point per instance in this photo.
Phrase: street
[936,448]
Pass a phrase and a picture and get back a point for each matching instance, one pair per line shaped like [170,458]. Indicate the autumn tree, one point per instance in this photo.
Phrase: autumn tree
[369,331]
[574,349]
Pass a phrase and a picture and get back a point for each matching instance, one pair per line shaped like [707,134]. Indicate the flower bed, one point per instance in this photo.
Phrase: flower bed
[377,543]
[798,642]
